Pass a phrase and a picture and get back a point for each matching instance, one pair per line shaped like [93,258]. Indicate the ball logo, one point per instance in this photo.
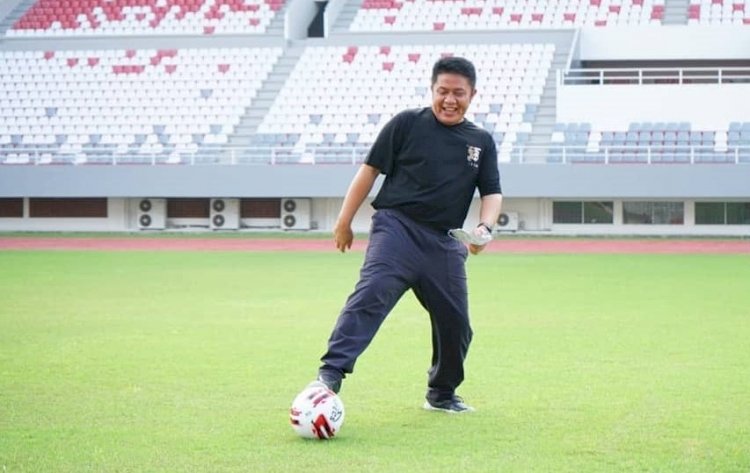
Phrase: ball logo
[336,413]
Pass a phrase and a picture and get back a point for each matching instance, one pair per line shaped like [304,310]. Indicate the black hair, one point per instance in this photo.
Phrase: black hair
[455,65]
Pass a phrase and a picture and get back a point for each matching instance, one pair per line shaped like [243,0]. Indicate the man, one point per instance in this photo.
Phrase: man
[433,160]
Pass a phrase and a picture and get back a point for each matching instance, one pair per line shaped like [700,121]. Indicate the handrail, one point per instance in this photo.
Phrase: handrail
[253,155]
[657,75]
[573,44]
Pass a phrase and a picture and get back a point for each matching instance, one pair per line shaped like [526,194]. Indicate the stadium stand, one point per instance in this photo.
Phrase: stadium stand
[349,111]
[429,15]
[152,17]
[137,105]
[719,12]
[648,142]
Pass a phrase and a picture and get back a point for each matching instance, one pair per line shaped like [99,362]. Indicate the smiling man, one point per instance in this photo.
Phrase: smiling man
[433,160]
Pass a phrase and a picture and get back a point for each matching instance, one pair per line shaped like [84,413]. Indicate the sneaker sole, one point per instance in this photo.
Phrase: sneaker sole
[429,407]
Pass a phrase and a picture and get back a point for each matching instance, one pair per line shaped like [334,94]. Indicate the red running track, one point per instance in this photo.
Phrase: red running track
[512,245]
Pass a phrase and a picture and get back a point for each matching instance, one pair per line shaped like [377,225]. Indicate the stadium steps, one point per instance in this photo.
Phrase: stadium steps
[676,12]
[266,95]
[276,27]
[543,126]
[346,16]
[14,12]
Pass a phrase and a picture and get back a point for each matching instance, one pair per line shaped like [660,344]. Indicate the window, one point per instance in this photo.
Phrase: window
[68,207]
[188,208]
[653,213]
[709,213]
[582,212]
[260,208]
[598,212]
[567,212]
[11,207]
[738,213]
[722,213]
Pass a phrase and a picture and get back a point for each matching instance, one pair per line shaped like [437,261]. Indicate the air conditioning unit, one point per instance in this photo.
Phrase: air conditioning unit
[295,214]
[152,214]
[225,214]
[507,222]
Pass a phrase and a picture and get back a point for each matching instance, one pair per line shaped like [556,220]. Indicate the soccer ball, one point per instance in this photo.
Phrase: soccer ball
[317,413]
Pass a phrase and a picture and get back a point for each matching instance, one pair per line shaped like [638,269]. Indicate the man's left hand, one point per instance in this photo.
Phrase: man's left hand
[479,231]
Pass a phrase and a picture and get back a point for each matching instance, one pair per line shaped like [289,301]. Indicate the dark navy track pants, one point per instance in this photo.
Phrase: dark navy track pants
[402,255]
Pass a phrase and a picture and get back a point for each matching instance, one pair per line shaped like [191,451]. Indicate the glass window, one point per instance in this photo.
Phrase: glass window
[722,213]
[598,212]
[653,213]
[582,212]
[738,213]
[709,213]
[567,212]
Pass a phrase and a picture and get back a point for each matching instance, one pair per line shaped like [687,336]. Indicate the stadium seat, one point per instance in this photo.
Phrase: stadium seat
[102,103]
[353,104]
[428,15]
[151,17]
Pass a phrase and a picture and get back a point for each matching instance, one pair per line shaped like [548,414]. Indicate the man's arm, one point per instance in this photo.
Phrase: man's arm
[489,212]
[358,190]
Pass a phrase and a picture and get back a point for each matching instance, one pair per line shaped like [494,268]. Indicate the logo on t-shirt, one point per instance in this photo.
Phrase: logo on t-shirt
[472,155]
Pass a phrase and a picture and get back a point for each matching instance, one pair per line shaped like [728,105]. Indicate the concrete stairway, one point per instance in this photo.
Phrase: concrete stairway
[676,12]
[543,126]
[14,14]
[262,104]
[346,16]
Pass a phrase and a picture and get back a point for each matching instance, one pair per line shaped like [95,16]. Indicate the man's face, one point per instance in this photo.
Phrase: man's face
[451,96]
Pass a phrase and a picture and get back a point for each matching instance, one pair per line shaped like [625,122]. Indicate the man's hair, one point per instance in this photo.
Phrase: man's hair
[455,65]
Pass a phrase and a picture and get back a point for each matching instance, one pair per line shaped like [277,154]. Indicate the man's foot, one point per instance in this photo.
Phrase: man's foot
[330,380]
[455,405]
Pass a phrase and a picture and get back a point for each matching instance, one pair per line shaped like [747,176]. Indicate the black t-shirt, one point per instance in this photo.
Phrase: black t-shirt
[431,169]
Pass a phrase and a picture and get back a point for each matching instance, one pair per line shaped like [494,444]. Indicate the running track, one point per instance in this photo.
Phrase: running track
[510,245]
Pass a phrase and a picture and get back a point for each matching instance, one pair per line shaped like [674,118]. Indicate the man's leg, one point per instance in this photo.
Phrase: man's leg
[384,277]
[442,290]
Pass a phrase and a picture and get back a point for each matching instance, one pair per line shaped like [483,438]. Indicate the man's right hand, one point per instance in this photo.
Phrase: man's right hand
[343,236]
[358,190]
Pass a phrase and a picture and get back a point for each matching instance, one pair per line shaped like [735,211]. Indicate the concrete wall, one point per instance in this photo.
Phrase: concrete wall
[613,107]
[529,191]
[297,17]
[534,217]
[672,42]
[331,181]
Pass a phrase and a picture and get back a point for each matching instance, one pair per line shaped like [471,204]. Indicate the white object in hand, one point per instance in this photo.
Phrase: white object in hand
[470,237]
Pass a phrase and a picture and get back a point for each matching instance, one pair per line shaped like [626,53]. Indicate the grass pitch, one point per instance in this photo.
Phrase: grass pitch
[142,361]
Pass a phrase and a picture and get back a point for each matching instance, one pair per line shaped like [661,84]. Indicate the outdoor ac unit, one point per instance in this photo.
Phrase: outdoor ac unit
[225,214]
[295,214]
[152,214]
[507,222]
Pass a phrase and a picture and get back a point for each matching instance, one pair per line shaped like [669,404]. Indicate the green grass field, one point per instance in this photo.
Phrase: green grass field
[141,362]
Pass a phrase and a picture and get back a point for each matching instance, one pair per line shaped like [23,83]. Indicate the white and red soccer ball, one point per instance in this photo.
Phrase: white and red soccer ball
[317,413]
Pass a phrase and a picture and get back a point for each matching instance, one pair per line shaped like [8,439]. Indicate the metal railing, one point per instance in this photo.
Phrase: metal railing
[623,154]
[236,155]
[219,155]
[655,75]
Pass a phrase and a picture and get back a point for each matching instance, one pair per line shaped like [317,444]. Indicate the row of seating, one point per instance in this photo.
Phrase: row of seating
[650,142]
[155,17]
[349,111]
[199,104]
[429,15]
[719,12]
[45,102]
[124,17]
